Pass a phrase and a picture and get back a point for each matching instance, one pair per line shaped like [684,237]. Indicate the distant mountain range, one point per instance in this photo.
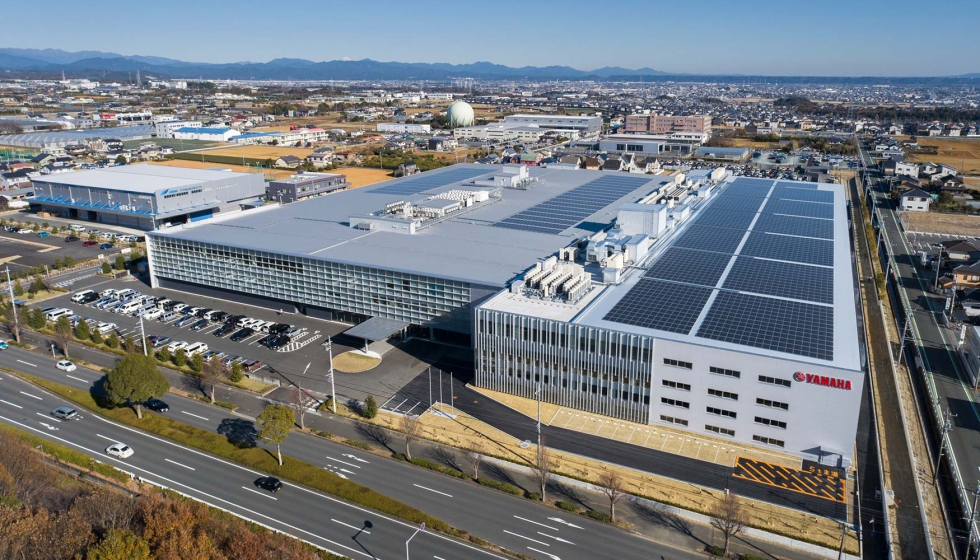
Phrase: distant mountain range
[47,61]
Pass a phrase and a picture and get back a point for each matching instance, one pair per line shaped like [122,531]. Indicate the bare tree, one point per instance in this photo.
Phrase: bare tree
[63,333]
[475,458]
[10,321]
[613,487]
[106,510]
[729,517]
[412,430]
[300,401]
[211,374]
[541,469]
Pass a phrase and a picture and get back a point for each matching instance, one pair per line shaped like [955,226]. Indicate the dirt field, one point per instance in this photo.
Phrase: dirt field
[950,224]
[360,176]
[270,174]
[260,152]
[961,153]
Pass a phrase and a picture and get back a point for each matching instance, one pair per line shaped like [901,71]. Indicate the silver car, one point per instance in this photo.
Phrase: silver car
[66,413]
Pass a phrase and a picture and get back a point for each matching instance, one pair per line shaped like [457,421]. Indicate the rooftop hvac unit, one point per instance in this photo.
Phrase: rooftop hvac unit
[368,226]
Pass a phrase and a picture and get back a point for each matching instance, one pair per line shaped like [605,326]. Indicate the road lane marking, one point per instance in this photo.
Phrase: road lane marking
[108,438]
[31,396]
[358,529]
[260,493]
[431,490]
[559,539]
[28,363]
[45,416]
[563,522]
[354,457]
[536,523]
[76,378]
[528,538]
[552,556]
[344,462]
[179,464]
[194,415]
[11,404]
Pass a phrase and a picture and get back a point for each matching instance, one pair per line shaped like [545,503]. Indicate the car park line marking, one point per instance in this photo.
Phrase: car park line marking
[358,529]
[431,490]
[31,396]
[179,464]
[260,493]
[344,462]
[27,363]
[528,538]
[76,378]
[45,416]
[559,539]
[536,523]
[11,404]
[194,415]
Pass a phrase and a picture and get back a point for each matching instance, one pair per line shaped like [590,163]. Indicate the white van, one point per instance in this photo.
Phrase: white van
[167,317]
[153,313]
[196,348]
[162,304]
[77,227]
[54,314]
[108,292]
[81,295]
[127,308]
[143,309]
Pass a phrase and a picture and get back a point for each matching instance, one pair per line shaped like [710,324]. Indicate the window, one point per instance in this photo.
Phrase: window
[769,441]
[674,402]
[774,381]
[772,404]
[723,371]
[676,385]
[721,412]
[717,430]
[672,420]
[723,394]
[678,363]
[770,422]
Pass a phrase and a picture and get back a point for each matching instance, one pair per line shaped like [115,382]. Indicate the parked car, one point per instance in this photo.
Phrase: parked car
[242,334]
[72,238]
[66,413]
[160,341]
[106,246]
[252,366]
[105,327]
[176,345]
[187,320]
[120,450]
[3,345]
[43,234]
[156,405]
[152,314]
[90,243]
[65,365]
[225,329]
[200,325]
[22,231]
[278,342]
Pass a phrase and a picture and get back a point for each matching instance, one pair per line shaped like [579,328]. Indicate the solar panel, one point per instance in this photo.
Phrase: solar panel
[825,197]
[749,186]
[777,278]
[794,208]
[787,248]
[797,328]
[790,225]
[427,181]
[720,217]
[655,304]
[707,238]
[688,265]
[571,207]
[798,185]
[743,203]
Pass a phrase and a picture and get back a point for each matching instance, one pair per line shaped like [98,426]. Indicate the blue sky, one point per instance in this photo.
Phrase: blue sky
[788,37]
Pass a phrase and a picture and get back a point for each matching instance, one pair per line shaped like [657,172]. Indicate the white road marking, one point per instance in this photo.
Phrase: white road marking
[559,539]
[528,538]
[11,404]
[536,523]
[194,415]
[28,363]
[563,522]
[45,416]
[180,465]
[260,493]
[31,396]
[438,558]
[552,556]
[431,490]
[354,457]
[104,437]
[344,462]
[341,475]
[75,378]
[360,529]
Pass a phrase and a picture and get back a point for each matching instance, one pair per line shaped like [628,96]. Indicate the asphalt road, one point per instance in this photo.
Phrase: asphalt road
[516,524]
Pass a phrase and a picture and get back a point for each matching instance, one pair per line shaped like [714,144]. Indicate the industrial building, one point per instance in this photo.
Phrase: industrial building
[146,196]
[586,126]
[166,129]
[679,144]
[723,308]
[207,133]
[667,124]
[305,185]
[405,128]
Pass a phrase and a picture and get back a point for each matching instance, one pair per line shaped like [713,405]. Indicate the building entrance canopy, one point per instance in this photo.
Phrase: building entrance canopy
[377,328]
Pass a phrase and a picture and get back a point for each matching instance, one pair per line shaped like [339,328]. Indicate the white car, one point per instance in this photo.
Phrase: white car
[25,230]
[176,345]
[65,365]
[152,314]
[105,327]
[120,450]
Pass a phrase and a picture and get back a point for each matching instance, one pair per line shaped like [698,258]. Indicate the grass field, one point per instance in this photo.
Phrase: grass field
[961,153]
[361,176]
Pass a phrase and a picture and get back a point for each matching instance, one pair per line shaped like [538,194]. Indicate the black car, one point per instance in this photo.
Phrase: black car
[202,312]
[278,342]
[278,328]
[72,238]
[89,298]
[200,325]
[242,334]
[219,317]
[225,329]
[156,405]
[270,483]
[234,319]
[264,341]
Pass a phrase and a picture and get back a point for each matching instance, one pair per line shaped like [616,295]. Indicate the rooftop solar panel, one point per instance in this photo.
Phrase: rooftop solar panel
[426,181]
[825,197]
[788,248]
[797,328]
[655,304]
[688,265]
[790,225]
[743,203]
[798,185]
[777,278]
[720,217]
[707,238]
[569,208]
[795,208]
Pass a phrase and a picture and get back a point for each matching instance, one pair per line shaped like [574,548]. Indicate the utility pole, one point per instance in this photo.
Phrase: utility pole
[939,265]
[452,399]
[143,337]
[944,440]
[843,536]
[333,390]
[429,370]
[973,518]
[537,394]
[13,306]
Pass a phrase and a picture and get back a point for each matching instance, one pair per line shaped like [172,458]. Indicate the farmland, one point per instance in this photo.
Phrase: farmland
[961,153]
[260,152]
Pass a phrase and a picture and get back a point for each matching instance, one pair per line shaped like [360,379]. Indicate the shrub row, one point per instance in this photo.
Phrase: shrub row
[358,444]
[425,463]
[490,483]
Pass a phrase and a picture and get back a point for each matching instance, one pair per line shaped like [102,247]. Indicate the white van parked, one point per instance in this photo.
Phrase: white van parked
[168,316]
[108,292]
[196,348]
[105,327]
[76,227]
[54,314]
[127,307]
[176,345]
[81,295]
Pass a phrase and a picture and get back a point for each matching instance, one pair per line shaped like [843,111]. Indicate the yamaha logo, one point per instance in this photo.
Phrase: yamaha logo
[799,376]
[823,380]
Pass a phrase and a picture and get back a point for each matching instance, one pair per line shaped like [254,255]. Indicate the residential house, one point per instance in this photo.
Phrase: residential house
[967,275]
[959,250]
[612,163]
[406,168]
[899,168]
[530,158]
[17,178]
[288,162]
[915,200]
[41,160]
[591,163]
[320,160]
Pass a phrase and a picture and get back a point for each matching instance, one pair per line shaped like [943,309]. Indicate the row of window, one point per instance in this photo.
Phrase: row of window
[726,395]
[722,412]
[729,372]
[678,363]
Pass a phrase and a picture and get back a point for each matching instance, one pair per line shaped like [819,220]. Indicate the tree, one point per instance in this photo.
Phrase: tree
[129,345]
[10,319]
[236,373]
[275,422]
[120,544]
[164,354]
[106,268]
[82,330]
[121,160]
[475,458]
[113,340]
[211,373]
[120,262]
[197,364]
[541,469]
[63,334]
[612,486]
[180,358]
[56,264]
[18,290]
[728,517]
[300,401]
[69,262]
[412,429]
[96,336]
[370,409]
[134,380]
[36,319]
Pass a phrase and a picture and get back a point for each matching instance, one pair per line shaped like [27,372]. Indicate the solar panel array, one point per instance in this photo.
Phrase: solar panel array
[778,294]
[569,208]
[426,181]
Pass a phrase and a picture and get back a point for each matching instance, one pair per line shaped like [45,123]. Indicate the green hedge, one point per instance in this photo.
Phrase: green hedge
[67,454]
[566,506]
[490,483]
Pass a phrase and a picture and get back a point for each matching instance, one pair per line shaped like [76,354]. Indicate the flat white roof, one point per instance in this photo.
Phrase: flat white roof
[142,178]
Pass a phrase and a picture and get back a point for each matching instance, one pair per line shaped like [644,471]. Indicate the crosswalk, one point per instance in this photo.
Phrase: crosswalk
[297,344]
[73,279]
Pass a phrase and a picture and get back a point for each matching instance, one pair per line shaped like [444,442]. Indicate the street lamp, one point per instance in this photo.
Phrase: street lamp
[333,391]
[421,528]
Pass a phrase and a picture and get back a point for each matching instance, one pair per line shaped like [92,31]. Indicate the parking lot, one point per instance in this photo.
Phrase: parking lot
[28,250]
[927,241]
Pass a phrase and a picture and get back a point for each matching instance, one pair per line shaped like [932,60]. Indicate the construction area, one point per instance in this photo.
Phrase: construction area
[946,224]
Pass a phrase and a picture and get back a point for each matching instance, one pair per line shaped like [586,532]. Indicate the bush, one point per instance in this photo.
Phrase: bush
[533,496]
[120,262]
[490,483]
[425,463]
[112,341]
[18,290]
[715,550]
[358,444]
[96,337]
[323,434]
[164,354]
[236,373]
[747,556]
[180,358]
[598,515]
[370,409]
[106,268]
[566,506]
[197,362]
